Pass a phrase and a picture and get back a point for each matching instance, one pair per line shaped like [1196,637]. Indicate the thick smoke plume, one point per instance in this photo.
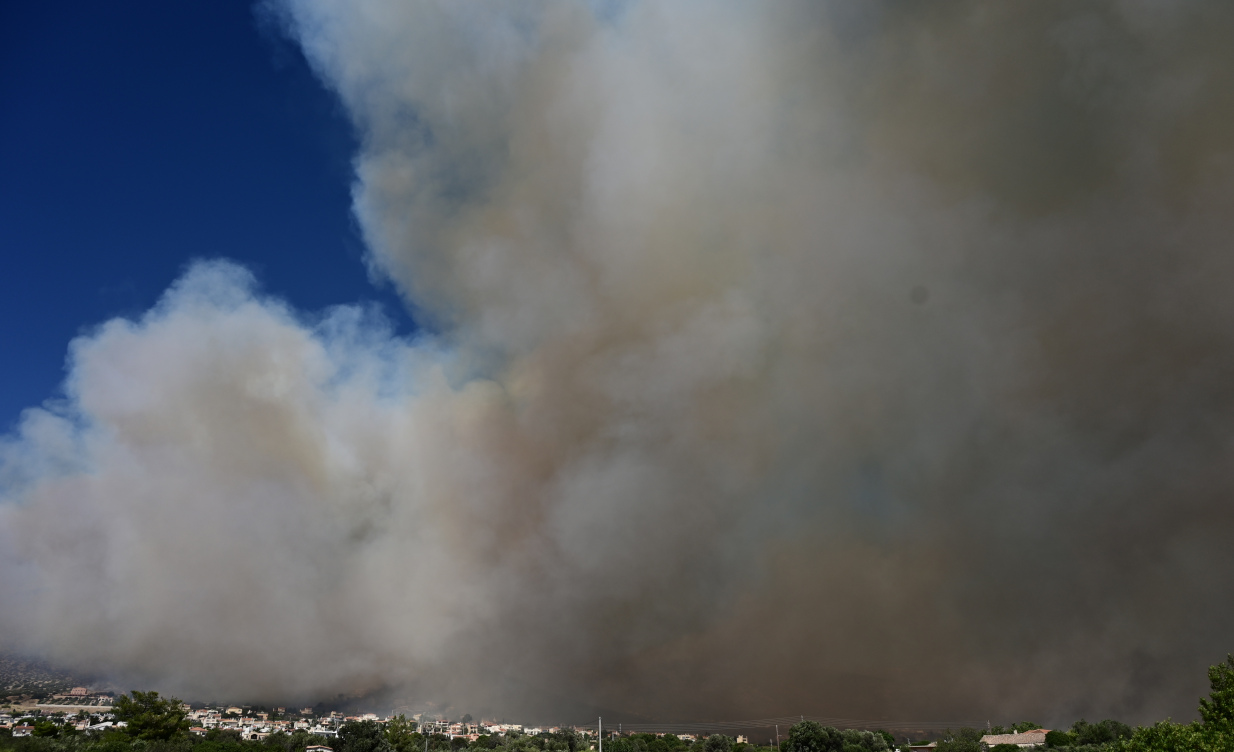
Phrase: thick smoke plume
[869,359]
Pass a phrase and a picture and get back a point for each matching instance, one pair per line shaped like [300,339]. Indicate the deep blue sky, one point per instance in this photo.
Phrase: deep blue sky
[138,135]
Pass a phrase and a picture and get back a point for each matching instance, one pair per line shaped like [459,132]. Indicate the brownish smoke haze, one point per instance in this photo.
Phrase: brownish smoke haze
[850,360]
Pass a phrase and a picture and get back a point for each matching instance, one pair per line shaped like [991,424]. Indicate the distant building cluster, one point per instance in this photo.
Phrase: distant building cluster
[90,711]
[257,725]
[79,697]
[85,711]
[82,721]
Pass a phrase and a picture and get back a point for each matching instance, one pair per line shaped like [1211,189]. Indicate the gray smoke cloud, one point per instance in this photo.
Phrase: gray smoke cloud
[849,359]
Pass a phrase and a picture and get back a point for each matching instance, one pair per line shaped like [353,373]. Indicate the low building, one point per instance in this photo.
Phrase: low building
[318,748]
[22,731]
[1024,740]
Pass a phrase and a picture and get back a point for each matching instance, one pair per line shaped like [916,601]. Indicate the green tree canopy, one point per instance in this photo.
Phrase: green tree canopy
[809,736]
[570,738]
[1166,736]
[362,736]
[863,741]
[964,740]
[150,717]
[46,728]
[1217,710]
[718,743]
[1101,732]
[1213,733]
[438,741]
[401,735]
[1058,738]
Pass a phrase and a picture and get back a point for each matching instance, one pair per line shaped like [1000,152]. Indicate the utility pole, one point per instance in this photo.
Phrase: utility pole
[600,733]
[777,736]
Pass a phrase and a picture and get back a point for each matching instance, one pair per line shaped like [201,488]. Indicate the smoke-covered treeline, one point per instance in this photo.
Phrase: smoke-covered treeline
[157,724]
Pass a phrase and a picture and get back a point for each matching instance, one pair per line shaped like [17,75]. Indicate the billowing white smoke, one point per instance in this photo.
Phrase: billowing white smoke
[785,358]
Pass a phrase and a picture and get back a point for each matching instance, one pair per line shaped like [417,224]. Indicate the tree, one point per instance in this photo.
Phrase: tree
[809,736]
[1102,732]
[571,738]
[646,741]
[1214,732]
[399,733]
[46,728]
[1167,736]
[1216,725]
[718,743]
[1058,738]
[362,736]
[1005,748]
[964,740]
[1217,711]
[150,717]
[863,741]
[295,743]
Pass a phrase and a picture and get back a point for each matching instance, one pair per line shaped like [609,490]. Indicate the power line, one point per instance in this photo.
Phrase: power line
[769,723]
